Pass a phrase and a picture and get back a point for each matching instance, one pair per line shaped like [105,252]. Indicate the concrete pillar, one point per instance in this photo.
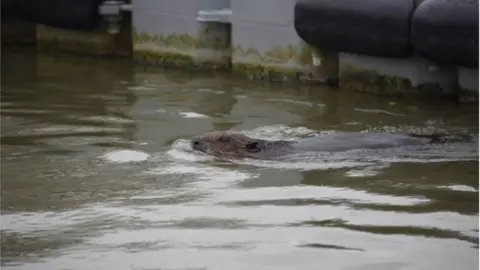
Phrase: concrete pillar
[265,44]
[468,81]
[167,33]
[394,76]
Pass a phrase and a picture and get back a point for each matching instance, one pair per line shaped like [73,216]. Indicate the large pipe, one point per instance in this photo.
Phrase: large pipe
[66,14]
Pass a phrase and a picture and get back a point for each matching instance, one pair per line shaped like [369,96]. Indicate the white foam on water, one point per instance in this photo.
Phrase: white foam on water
[193,115]
[106,119]
[142,88]
[61,129]
[315,193]
[125,156]
[459,188]
[275,215]
[203,176]
[186,163]
[307,164]
[367,171]
[207,90]
[297,102]
[29,111]
[281,132]
[378,111]
[28,222]
[181,150]
[240,97]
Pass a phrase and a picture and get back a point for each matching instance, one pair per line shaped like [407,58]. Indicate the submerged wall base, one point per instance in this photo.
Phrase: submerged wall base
[468,81]
[92,43]
[396,77]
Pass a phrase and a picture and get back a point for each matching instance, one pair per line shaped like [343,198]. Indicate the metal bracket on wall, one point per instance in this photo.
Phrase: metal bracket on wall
[111,10]
[220,16]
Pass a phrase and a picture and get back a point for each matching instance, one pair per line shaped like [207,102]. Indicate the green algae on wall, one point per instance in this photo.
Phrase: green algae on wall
[285,64]
[97,42]
[213,36]
[176,60]
[178,41]
[300,55]
[370,81]
[262,72]
[181,50]
[164,58]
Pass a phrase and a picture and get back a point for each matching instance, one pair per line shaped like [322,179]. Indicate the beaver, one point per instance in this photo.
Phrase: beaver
[237,145]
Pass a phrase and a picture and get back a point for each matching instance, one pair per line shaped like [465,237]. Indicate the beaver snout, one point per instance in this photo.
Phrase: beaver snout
[197,145]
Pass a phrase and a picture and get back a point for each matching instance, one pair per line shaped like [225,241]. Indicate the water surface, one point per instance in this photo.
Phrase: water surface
[97,174]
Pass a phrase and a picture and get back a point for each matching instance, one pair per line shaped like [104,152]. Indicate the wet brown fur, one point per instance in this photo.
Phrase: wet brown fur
[225,144]
[236,145]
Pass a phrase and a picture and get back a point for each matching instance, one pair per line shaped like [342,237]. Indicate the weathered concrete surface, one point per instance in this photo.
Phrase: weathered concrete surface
[16,31]
[468,82]
[94,43]
[395,77]
[167,33]
[265,44]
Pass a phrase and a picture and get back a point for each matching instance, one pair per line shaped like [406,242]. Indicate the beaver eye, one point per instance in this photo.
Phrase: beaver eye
[223,139]
[195,143]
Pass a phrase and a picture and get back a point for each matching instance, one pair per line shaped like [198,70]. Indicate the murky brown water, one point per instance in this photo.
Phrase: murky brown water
[97,174]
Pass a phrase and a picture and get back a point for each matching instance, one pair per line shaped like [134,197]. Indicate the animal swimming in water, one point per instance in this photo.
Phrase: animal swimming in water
[237,145]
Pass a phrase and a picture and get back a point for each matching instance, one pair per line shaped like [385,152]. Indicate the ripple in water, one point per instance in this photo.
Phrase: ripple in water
[192,115]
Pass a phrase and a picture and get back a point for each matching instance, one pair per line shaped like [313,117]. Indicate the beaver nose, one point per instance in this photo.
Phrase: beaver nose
[195,144]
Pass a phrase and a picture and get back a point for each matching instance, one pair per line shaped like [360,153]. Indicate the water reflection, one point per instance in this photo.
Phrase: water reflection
[97,174]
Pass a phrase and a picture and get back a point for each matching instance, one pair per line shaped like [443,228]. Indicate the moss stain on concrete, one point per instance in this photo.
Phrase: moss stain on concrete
[183,50]
[288,63]
[96,43]
[268,73]
[285,64]
[300,55]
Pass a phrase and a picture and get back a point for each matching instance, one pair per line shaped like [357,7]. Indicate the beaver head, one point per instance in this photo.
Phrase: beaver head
[225,144]
[236,145]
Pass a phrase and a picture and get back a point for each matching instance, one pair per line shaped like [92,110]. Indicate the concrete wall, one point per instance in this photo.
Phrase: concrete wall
[260,42]
[88,43]
[97,42]
[17,32]
[392,76]
[254,39]
[406,77]
[167,33]
[264,42]
[257,41]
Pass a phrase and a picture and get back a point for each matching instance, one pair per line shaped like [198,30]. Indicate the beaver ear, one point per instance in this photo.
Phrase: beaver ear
[253,147]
